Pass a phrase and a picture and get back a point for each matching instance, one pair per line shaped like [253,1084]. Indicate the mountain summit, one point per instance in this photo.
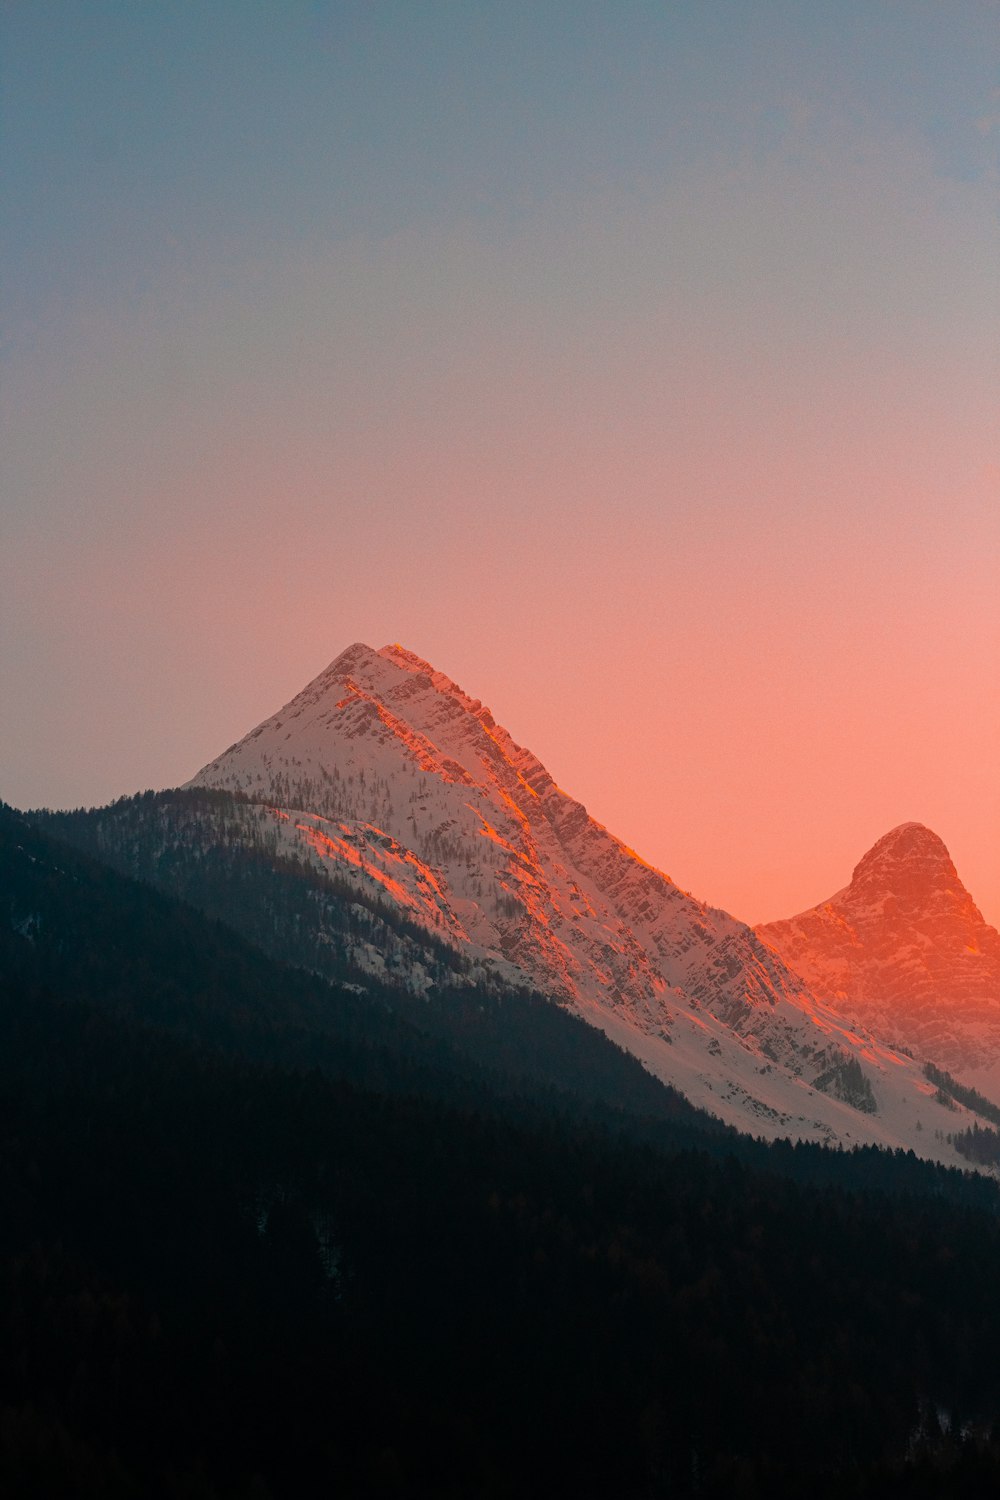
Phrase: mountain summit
[911,865]
[384,772]
[905,949]
[409,779]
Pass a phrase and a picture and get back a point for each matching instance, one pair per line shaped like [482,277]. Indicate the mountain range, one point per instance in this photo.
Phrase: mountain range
[384,773]
[382,829]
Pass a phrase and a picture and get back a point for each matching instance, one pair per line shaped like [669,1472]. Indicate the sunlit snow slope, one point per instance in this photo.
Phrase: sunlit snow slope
[385,770]
[905,949]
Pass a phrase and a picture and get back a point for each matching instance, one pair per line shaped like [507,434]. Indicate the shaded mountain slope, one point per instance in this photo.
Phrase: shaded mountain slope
[84,929]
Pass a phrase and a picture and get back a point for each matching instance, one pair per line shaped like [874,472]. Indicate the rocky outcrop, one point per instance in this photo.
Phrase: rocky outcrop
[906,951]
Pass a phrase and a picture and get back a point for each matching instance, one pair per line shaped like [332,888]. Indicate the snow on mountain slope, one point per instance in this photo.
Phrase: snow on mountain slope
[386,771]
[905,950]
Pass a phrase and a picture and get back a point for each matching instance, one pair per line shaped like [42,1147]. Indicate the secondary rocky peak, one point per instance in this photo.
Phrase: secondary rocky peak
[911,864]
[908,836]
[905,949]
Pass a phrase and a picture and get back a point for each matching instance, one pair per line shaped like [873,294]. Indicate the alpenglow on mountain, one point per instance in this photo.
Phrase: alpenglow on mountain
[905,949]
[384,771]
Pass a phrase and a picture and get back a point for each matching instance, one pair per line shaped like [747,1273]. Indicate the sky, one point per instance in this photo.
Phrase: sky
[635,363]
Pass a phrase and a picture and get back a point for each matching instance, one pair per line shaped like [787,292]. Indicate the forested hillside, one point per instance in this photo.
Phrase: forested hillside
[251,1250]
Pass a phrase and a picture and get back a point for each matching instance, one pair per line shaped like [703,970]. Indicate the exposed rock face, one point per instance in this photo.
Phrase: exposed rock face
[905,949]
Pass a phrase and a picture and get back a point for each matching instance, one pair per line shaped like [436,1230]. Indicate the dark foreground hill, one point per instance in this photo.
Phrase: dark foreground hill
[246,1253]
[149,956]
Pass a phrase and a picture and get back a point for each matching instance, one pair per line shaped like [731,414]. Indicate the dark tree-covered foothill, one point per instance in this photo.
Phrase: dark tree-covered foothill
[264,1237]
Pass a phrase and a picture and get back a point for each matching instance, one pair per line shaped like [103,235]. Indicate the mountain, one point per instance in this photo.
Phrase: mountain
[905,950]
[383,773]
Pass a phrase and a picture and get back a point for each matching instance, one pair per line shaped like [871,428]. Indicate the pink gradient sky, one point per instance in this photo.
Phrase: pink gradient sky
[648,390]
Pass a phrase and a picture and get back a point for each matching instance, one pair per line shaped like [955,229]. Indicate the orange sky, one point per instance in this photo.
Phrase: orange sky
[641,378]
